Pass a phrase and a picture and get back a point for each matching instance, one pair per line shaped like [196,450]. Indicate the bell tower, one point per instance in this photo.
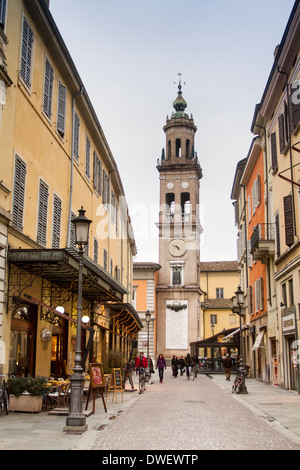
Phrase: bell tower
[178,289]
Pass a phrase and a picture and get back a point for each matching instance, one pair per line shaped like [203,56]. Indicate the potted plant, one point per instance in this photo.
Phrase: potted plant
[26,393]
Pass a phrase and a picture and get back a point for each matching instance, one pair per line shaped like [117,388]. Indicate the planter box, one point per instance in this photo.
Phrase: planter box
[25,403]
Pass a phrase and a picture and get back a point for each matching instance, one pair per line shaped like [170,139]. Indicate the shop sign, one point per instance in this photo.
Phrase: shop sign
[288,323]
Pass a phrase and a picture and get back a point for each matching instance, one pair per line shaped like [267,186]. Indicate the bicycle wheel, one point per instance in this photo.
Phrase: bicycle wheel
[141,385]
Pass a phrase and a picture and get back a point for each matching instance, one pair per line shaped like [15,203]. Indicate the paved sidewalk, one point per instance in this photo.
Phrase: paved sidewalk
[41,431]
[278,407]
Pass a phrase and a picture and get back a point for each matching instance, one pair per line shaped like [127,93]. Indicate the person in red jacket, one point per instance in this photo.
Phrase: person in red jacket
[141,361]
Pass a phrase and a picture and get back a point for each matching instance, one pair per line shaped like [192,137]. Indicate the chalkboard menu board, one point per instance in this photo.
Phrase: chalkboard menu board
[116,379]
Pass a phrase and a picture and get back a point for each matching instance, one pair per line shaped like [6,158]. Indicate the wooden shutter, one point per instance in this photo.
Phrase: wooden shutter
[251,300]
[96,250]
[56,222]
[87,156]
[26,53]
[48,89]
[262,293]
[19,194]
[281,133]
[61,109]
[288,219]
[42,214]
[277,234]
[72,232]
[274,151]
[76,136]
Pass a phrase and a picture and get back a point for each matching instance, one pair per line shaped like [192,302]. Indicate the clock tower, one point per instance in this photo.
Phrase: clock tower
[178,289]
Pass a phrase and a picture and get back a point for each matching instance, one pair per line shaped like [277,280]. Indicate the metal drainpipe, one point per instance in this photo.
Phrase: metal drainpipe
[72,165]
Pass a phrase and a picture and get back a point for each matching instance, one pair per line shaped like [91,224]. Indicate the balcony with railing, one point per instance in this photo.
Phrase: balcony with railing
[263,242]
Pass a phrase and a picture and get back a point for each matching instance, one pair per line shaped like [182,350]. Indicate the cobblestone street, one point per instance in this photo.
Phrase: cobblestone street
[190,415]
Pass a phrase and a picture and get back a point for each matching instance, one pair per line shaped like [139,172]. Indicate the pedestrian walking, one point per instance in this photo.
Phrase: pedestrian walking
[181,365]
[141,361]
[188,365]
[174,364]
[195,363]
[161,366]
[150,364]
[227,363]
[128,374]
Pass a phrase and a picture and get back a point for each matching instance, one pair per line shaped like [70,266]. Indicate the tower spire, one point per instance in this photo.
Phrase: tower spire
[179,104]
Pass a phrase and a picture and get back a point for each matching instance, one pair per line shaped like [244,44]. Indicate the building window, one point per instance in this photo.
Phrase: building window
[87,156]
[220,293]
[185,206]
[42,214]
[177,274]
[178,147]
[26,53]
[48,89]
[2,13]
[76,137]
[291,292]
[19,194]
[213,319]
[56,222]
[61,109]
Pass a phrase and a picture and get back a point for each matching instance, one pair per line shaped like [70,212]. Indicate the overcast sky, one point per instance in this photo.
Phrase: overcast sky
[128,54]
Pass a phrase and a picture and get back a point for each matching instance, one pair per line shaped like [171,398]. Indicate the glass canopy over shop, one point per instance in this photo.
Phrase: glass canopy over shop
[212,351]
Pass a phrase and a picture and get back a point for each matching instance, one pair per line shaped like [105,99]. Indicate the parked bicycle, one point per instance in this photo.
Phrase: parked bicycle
[4,396]
[239,380]
[144,377]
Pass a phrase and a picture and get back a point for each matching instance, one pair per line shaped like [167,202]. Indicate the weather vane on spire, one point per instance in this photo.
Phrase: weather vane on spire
[179,81]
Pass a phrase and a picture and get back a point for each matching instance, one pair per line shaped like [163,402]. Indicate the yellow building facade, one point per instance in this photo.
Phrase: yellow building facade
[55,159]
[218,282]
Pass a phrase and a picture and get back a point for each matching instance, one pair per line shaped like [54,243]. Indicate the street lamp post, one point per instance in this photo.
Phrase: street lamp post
[76,420]
[237,305]
[148,319]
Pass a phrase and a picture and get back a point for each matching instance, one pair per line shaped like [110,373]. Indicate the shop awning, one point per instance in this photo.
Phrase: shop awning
[231,334]
[61,267]
[259,337]
[127,314]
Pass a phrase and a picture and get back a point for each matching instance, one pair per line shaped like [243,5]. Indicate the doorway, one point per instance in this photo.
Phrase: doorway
[23,341]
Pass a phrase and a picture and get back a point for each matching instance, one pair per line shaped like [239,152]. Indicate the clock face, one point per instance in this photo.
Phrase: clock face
[177,247]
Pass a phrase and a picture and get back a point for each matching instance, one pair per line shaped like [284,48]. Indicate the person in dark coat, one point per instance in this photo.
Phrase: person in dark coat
[161,366]
[189,364]
[181,364]
[227,363]
[174,364]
